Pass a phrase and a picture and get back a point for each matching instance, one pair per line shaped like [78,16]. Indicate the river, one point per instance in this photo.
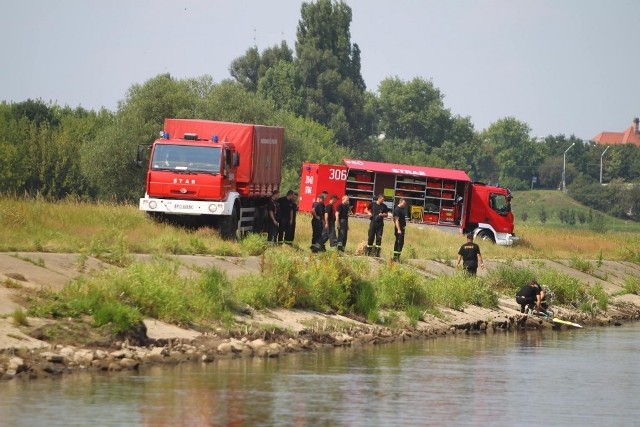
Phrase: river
[588,377]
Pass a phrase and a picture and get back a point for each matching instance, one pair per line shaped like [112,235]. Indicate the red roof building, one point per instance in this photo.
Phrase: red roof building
[629,136]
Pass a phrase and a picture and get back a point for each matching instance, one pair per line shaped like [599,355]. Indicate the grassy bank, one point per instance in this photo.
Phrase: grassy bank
[390,294]
[110,232]
[380,292]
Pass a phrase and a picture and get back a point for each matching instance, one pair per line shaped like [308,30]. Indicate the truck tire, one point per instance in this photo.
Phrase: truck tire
[486,236]
[229,225]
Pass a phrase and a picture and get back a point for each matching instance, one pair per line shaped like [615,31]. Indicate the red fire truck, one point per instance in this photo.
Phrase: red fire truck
[445,198]
[220,173]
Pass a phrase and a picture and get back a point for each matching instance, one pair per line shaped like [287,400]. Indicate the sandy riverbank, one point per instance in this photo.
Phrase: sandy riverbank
[29,352]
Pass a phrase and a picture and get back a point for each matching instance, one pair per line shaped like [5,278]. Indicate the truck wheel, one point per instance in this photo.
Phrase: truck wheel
[229,225]
[486,236]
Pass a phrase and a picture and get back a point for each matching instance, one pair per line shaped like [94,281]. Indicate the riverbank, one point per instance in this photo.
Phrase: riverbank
[37,347]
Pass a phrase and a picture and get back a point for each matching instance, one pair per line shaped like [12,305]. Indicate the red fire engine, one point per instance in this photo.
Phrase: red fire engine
[444,198]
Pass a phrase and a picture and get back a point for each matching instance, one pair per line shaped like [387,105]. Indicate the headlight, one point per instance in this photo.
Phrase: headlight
[213,207]
[153,204]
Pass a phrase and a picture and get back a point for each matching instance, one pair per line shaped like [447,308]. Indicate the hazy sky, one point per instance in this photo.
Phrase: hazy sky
[562,66]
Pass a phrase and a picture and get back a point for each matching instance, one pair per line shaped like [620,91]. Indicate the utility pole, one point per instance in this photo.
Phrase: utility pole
[602,155]
[564,167]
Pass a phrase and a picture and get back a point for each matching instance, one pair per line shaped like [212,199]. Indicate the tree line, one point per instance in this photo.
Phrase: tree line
[316,91]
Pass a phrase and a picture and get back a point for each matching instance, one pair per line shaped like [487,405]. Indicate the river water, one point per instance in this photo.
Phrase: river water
[588,377]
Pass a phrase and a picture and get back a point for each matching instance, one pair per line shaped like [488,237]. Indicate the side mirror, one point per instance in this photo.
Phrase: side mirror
[236,160]
[140,155]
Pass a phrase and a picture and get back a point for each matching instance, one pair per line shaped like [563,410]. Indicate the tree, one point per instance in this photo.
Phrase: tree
[252,66]
[282,85]
[413,110]
[330,69]
[516,153]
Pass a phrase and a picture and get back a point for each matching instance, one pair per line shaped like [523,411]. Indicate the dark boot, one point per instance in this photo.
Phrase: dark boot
[396,256]
[367,250]
[377,252]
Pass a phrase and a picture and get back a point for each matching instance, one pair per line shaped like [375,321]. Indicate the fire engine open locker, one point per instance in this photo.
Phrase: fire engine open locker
[435,196]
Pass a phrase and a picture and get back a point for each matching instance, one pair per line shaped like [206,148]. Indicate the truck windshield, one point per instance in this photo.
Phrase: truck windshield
[499,203]
[186,158]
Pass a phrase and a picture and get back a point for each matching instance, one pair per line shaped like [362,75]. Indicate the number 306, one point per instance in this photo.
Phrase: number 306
[338,174]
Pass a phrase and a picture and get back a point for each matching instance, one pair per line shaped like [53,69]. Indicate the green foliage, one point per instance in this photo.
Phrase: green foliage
[251,68]
[508,278]
[256,290]
[567,290]
[581,264]
[19,317]
[111,248]
[513,147]
[414,314]
[155,289]
[253,244]
[451,291]
[543,215]
[598,224]
[600,297]
[330,68]
[399,287]
[632,285]
[118,316]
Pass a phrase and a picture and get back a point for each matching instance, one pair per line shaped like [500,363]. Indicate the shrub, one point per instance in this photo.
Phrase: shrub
[581,265]
[257,291]
[19,317]
[600,296]
[508,278]
[631,285]
[451,291]
[567,290]
[253,244]
[119,317]
[398,287]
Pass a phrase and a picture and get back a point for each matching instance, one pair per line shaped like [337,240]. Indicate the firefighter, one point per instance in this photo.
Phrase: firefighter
[317,222]
[377,211]
[400,222]
[329,232]
[470,256]
[285,206]
[273,217]
[342,219]
[290,233]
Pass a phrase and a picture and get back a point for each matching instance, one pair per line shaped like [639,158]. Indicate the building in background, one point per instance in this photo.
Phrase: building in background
[629,136]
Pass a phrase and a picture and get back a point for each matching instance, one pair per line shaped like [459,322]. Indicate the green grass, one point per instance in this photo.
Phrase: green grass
[555,202]
[122,297]
[292,276]
[19,317]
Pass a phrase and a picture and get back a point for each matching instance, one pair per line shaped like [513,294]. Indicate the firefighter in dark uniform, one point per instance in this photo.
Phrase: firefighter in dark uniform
[377,211]
[400,223]
[342,219]
[329,232]
[273,217]
[470,256]
[290,234]
[285,205]
[317,223]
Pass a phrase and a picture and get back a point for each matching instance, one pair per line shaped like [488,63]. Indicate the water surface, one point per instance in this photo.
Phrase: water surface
[586,377]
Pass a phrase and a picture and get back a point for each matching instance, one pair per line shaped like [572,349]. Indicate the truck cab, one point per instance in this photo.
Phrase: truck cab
[489,214]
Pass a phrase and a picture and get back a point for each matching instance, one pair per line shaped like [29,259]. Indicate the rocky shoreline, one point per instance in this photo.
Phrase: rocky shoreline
[140,351]
[29,352]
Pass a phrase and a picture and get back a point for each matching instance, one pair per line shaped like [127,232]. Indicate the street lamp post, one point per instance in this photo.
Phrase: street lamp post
[602,155]
[564,166]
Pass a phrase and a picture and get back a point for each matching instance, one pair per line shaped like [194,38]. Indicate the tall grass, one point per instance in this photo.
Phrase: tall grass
[112,231]
[156,289]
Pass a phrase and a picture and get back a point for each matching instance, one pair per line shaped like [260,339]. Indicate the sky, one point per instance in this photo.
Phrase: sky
[561,66]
